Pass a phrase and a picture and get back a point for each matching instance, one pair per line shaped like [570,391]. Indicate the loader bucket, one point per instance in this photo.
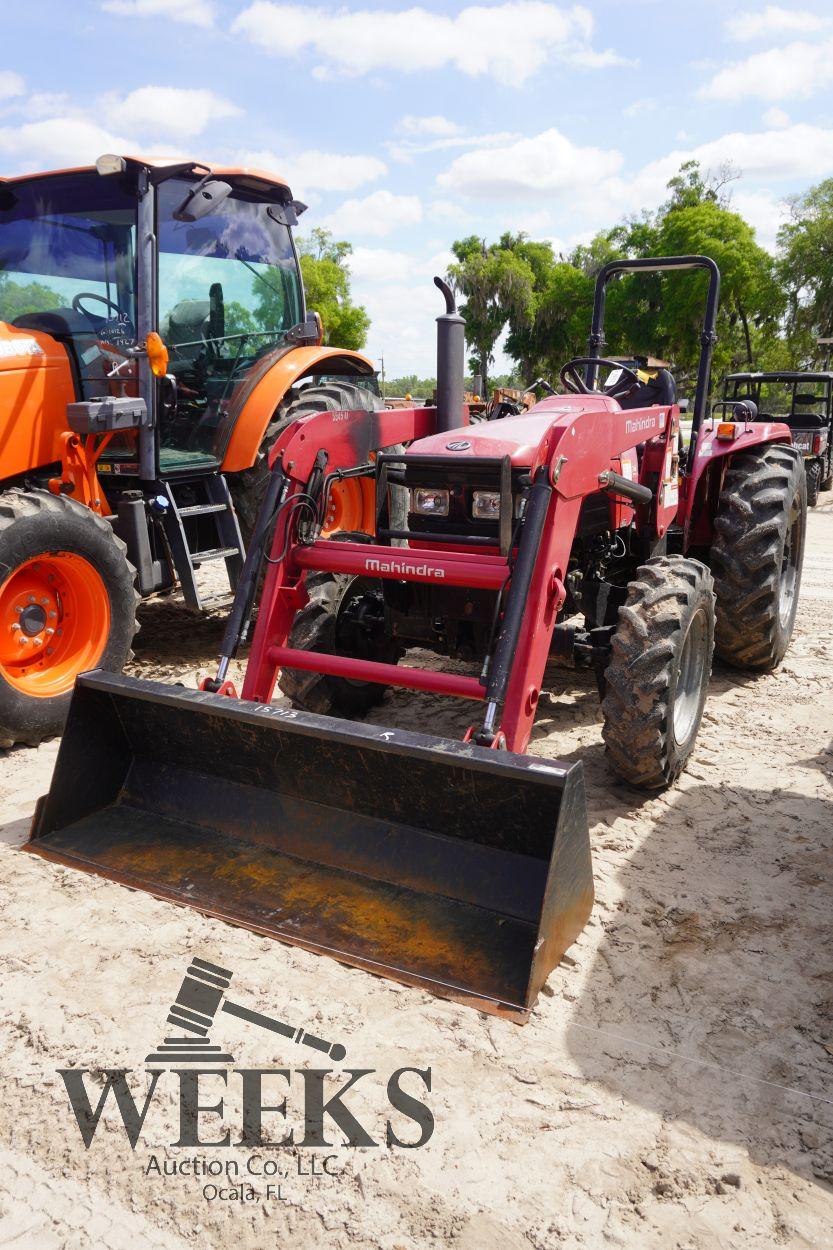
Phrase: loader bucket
[437,863]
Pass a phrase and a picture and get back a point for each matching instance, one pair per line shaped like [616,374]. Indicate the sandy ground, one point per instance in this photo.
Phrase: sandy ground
[673,1088]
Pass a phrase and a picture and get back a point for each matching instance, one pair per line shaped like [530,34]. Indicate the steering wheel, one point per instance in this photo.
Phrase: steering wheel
[572,379]
[78,307]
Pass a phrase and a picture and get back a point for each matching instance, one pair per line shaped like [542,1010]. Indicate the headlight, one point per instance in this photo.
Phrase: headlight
[486,505]
[428,502]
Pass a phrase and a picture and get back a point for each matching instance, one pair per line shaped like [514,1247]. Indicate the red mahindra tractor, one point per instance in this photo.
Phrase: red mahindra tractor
[576,532]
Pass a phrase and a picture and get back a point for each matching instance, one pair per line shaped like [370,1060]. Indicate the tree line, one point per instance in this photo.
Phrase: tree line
[773,308]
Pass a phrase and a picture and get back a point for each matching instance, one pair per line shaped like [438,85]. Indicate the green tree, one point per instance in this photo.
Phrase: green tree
[17,299]
[497,284]
[238,319]
[806,267]
[326,275]
[325,266]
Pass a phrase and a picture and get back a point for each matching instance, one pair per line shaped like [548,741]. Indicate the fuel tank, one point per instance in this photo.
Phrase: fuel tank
[35,387]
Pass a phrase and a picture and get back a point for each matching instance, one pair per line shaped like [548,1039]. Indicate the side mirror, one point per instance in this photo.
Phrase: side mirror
[202,199]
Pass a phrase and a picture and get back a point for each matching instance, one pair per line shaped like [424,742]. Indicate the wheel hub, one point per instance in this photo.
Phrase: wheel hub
[32,619]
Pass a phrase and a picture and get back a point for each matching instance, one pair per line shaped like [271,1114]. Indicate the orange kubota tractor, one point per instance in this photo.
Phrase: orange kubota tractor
[154,341]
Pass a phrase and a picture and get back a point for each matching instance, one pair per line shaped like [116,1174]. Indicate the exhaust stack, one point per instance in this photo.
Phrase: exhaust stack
[451,350]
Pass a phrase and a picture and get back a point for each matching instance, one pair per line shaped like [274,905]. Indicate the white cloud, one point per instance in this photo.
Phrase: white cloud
[540,167]
[48,104]
[772,21]
[59,142]
[639,107]
[379,264]
[798,70]
[764,211]
[776,118]
[795,154]
[179,111]
[320,171]
[436,126]
[449,211]
[11,84]
[509,42]
[404,150]
[379,213]
[191,12]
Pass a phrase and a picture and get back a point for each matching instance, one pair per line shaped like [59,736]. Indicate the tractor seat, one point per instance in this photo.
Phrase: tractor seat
[184,328]
[805,420]
[659,389]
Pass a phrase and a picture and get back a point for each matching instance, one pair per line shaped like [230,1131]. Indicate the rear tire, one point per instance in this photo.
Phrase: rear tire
[248,487]
[658,675]
[62,569]
[344,616]
[826,482]
[757,555]
[813,474]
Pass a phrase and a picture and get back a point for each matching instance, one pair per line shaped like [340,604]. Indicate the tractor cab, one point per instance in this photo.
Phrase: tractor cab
[803,400]
[222,286]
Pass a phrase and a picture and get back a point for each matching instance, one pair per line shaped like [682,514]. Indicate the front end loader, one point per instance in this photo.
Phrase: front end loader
[576,533]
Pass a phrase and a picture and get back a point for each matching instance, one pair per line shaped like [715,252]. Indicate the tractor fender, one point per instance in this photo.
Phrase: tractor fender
[702,483]
[253,408]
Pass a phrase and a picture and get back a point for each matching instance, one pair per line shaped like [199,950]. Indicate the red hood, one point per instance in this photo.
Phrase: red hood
[518,437]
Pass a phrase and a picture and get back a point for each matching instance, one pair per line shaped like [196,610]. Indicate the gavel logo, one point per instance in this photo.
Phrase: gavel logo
[202,993]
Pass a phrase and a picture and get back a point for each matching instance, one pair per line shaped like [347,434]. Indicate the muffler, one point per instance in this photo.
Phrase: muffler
[437,863]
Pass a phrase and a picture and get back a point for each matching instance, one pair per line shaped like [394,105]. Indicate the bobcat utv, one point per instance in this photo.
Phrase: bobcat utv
[803,400]
[153,343]
[574,532]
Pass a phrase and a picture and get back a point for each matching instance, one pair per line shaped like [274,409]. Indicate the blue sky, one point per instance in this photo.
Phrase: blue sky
[404,126]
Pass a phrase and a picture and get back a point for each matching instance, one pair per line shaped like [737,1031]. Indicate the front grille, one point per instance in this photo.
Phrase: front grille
[461,477]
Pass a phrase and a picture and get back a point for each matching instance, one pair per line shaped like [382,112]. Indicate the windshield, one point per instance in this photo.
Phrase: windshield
[229,288]
[67,264]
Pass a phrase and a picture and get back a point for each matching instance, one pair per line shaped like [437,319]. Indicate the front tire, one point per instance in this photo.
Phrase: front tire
[658,675]
[67,604]
[757,555]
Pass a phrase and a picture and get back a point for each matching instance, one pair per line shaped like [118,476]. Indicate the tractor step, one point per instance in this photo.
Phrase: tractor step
[213,553]
[202,509]
[201,527]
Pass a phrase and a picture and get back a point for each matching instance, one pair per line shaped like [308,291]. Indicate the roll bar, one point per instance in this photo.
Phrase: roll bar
[708,335]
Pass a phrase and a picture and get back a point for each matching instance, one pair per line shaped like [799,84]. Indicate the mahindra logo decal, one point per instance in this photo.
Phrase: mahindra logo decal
[404,568]
[459,444]
[635,425]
